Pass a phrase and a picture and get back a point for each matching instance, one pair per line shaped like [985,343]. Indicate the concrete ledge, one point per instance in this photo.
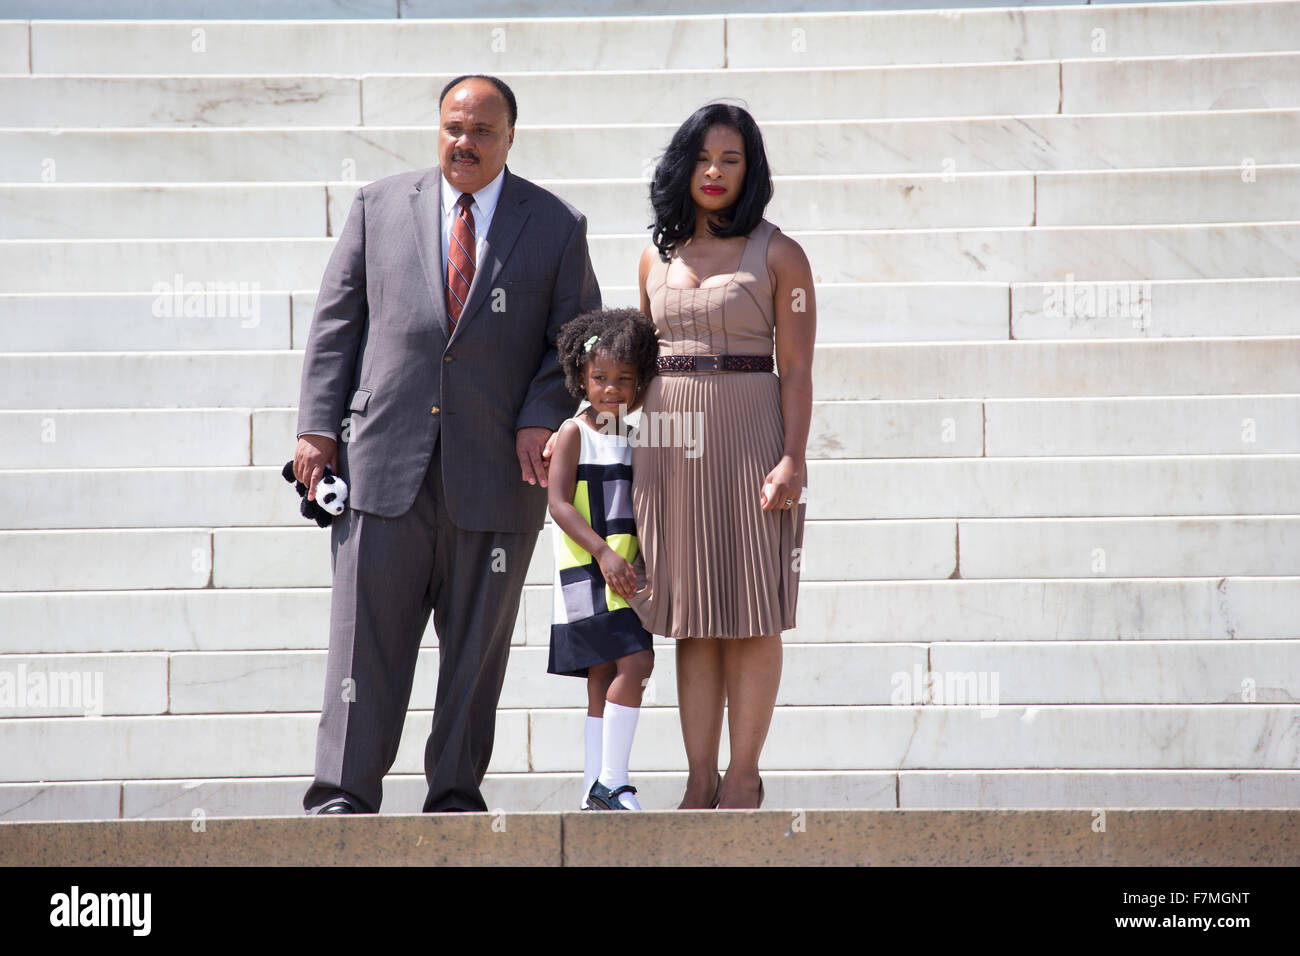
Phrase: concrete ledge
[936,838]
[448,839]
[677,838]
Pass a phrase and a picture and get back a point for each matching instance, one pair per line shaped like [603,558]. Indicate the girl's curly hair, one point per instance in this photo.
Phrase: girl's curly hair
[625,334]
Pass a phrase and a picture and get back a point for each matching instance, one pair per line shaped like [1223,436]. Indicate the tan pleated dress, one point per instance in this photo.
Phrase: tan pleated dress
[717,565]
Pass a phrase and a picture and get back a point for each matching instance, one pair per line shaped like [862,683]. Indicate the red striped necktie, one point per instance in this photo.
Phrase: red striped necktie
[460,259]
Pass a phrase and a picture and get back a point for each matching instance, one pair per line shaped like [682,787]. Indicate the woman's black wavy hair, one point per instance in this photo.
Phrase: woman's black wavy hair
[625,334]
[670,189]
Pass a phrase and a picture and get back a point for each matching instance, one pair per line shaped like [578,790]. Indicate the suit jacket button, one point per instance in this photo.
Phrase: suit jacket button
[446,359]
[434,410]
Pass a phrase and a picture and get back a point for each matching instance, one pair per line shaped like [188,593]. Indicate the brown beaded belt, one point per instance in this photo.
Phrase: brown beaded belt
[714,363]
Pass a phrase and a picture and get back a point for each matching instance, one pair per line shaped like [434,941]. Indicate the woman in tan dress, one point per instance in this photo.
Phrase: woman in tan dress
[718,508]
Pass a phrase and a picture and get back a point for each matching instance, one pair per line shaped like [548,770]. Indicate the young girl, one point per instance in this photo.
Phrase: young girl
[608,358]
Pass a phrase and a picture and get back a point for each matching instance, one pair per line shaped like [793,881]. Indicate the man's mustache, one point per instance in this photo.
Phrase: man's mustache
[461,154]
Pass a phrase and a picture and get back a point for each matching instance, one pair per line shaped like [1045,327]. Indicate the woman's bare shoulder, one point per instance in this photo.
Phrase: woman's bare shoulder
[783,249]
[786,258]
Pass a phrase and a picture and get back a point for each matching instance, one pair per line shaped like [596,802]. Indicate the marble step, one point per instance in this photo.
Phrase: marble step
[1042,253]
[1167,546]
[931,200]
[58,502]
[162,101]
[232,270]
[1065,609]
[89,748]
[1186,425]
[397,46]
[914,145]
[1250,736]
[982,675]
[833,550]
[91,685]
[1236,193]
[135,437]
[1124,426]
[1054,369]
[1126,547]
[603,97]
[1176,308]
[877,312]
[197,9]
[14,48]
[1228,81]
[1061,31]
[669,42]
[255,320]
[1249,81]
[175,379]
[812,789]
[188,211]
[611,206]
[1066,736]
[847,313]
[1243,366]
[437,9]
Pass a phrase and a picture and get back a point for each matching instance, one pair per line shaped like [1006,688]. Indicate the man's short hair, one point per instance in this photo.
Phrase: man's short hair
[504,90]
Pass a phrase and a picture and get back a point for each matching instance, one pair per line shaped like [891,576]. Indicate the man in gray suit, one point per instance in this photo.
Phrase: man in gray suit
[432,355]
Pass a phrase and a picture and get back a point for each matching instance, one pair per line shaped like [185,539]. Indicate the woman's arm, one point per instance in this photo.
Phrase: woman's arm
[648,256]
[795,306]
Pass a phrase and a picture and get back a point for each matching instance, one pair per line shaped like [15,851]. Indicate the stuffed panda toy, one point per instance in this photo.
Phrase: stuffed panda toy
[331,496]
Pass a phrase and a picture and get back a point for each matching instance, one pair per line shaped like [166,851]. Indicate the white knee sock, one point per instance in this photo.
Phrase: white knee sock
[592,756]
[620,727]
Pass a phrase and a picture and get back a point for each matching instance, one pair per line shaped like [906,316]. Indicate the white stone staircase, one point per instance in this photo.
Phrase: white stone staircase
[1088,511]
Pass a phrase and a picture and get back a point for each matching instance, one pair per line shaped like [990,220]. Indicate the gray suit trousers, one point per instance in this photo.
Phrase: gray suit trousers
[389,574]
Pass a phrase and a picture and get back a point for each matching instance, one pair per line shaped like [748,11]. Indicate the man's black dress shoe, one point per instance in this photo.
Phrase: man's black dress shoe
[337,805]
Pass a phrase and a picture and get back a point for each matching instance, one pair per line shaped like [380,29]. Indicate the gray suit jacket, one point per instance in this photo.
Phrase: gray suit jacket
[381,369]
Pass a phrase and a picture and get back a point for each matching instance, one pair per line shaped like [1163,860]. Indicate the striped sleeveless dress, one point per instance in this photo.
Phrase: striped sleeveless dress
[590,623]
[717,565]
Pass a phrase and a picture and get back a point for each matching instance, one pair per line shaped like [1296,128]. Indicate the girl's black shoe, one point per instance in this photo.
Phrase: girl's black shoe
[600,797]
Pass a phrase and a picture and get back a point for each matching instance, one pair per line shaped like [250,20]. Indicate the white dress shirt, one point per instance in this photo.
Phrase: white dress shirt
[483,207]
